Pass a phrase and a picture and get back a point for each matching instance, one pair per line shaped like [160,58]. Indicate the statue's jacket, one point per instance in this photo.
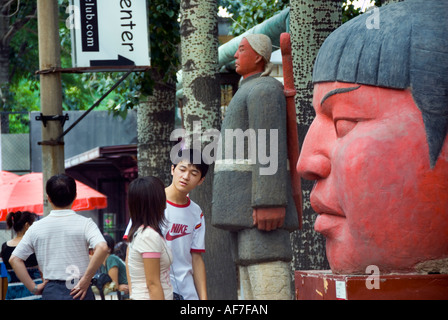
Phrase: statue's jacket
[259,106]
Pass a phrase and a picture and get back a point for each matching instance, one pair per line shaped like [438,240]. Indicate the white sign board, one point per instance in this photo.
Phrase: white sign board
[341,290]
[109,33]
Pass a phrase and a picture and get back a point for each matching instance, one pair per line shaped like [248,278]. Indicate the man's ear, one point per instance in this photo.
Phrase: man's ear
[201,181]
[172,169]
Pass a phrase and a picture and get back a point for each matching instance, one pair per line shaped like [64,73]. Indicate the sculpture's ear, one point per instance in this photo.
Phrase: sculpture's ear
[259,59]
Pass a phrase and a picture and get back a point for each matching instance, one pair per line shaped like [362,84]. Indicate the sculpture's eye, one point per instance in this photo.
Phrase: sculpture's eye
[344,126]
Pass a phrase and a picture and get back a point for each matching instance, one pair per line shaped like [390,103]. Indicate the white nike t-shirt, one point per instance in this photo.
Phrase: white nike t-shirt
[184,233]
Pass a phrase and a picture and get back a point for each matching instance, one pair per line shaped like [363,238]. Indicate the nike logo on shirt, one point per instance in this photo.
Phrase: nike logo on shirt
[177,231]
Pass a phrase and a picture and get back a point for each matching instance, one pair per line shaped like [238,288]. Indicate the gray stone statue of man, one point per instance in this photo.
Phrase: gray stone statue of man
[252,195]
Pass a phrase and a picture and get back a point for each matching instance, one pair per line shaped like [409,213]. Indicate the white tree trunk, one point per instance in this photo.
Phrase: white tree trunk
[155,122]
[311,22]
[201,104]
[200,74]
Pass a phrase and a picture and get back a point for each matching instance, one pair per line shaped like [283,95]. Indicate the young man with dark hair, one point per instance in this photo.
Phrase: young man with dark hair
[194,157]
[185,226]
[61,243]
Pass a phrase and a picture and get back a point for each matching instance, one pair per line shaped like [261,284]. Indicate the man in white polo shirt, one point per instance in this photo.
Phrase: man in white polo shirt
[61,243]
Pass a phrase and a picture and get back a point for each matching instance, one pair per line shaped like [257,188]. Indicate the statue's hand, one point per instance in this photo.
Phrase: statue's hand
[268,219]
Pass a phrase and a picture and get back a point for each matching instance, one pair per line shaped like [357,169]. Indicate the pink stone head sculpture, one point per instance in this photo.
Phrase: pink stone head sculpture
[378,148]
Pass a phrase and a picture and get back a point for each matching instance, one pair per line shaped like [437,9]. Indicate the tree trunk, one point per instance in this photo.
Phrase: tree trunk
[310,23]
[155,122]
[4,68]
[199,42]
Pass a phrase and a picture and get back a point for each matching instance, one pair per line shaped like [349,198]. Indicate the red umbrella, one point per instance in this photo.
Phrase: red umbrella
[6,176]
[25,193]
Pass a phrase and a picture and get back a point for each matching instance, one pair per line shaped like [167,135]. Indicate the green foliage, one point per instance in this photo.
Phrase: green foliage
[164,37]
[125,97]
[25,94]
[24,52]
[249,13]
[349,11]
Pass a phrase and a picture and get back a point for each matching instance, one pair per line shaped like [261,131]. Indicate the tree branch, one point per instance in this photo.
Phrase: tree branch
[16,26]
[6,6]
[22,51]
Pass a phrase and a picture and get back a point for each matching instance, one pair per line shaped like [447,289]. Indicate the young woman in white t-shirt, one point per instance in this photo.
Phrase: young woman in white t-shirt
[149,258]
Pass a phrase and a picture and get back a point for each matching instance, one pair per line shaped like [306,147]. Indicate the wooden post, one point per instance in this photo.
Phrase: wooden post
[291,122]
[50,91]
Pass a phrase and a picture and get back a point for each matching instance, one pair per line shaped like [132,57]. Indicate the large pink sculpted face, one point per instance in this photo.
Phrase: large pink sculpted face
[378,200]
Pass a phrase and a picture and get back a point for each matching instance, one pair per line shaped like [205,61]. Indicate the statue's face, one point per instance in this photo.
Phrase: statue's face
[378,200]
[246,59]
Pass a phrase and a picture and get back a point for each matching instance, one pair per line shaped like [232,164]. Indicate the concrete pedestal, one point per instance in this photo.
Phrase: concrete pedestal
[324,285]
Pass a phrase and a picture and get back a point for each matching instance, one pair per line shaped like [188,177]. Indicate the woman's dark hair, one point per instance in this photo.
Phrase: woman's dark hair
[17,220]
[147,203]
[120,249]
[110,242]
[61,189]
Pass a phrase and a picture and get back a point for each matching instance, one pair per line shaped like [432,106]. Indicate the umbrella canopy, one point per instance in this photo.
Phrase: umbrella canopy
[6,176]
[25,193]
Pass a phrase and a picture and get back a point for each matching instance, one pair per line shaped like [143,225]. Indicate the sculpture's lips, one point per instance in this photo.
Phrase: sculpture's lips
[329,224]
[330,219]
